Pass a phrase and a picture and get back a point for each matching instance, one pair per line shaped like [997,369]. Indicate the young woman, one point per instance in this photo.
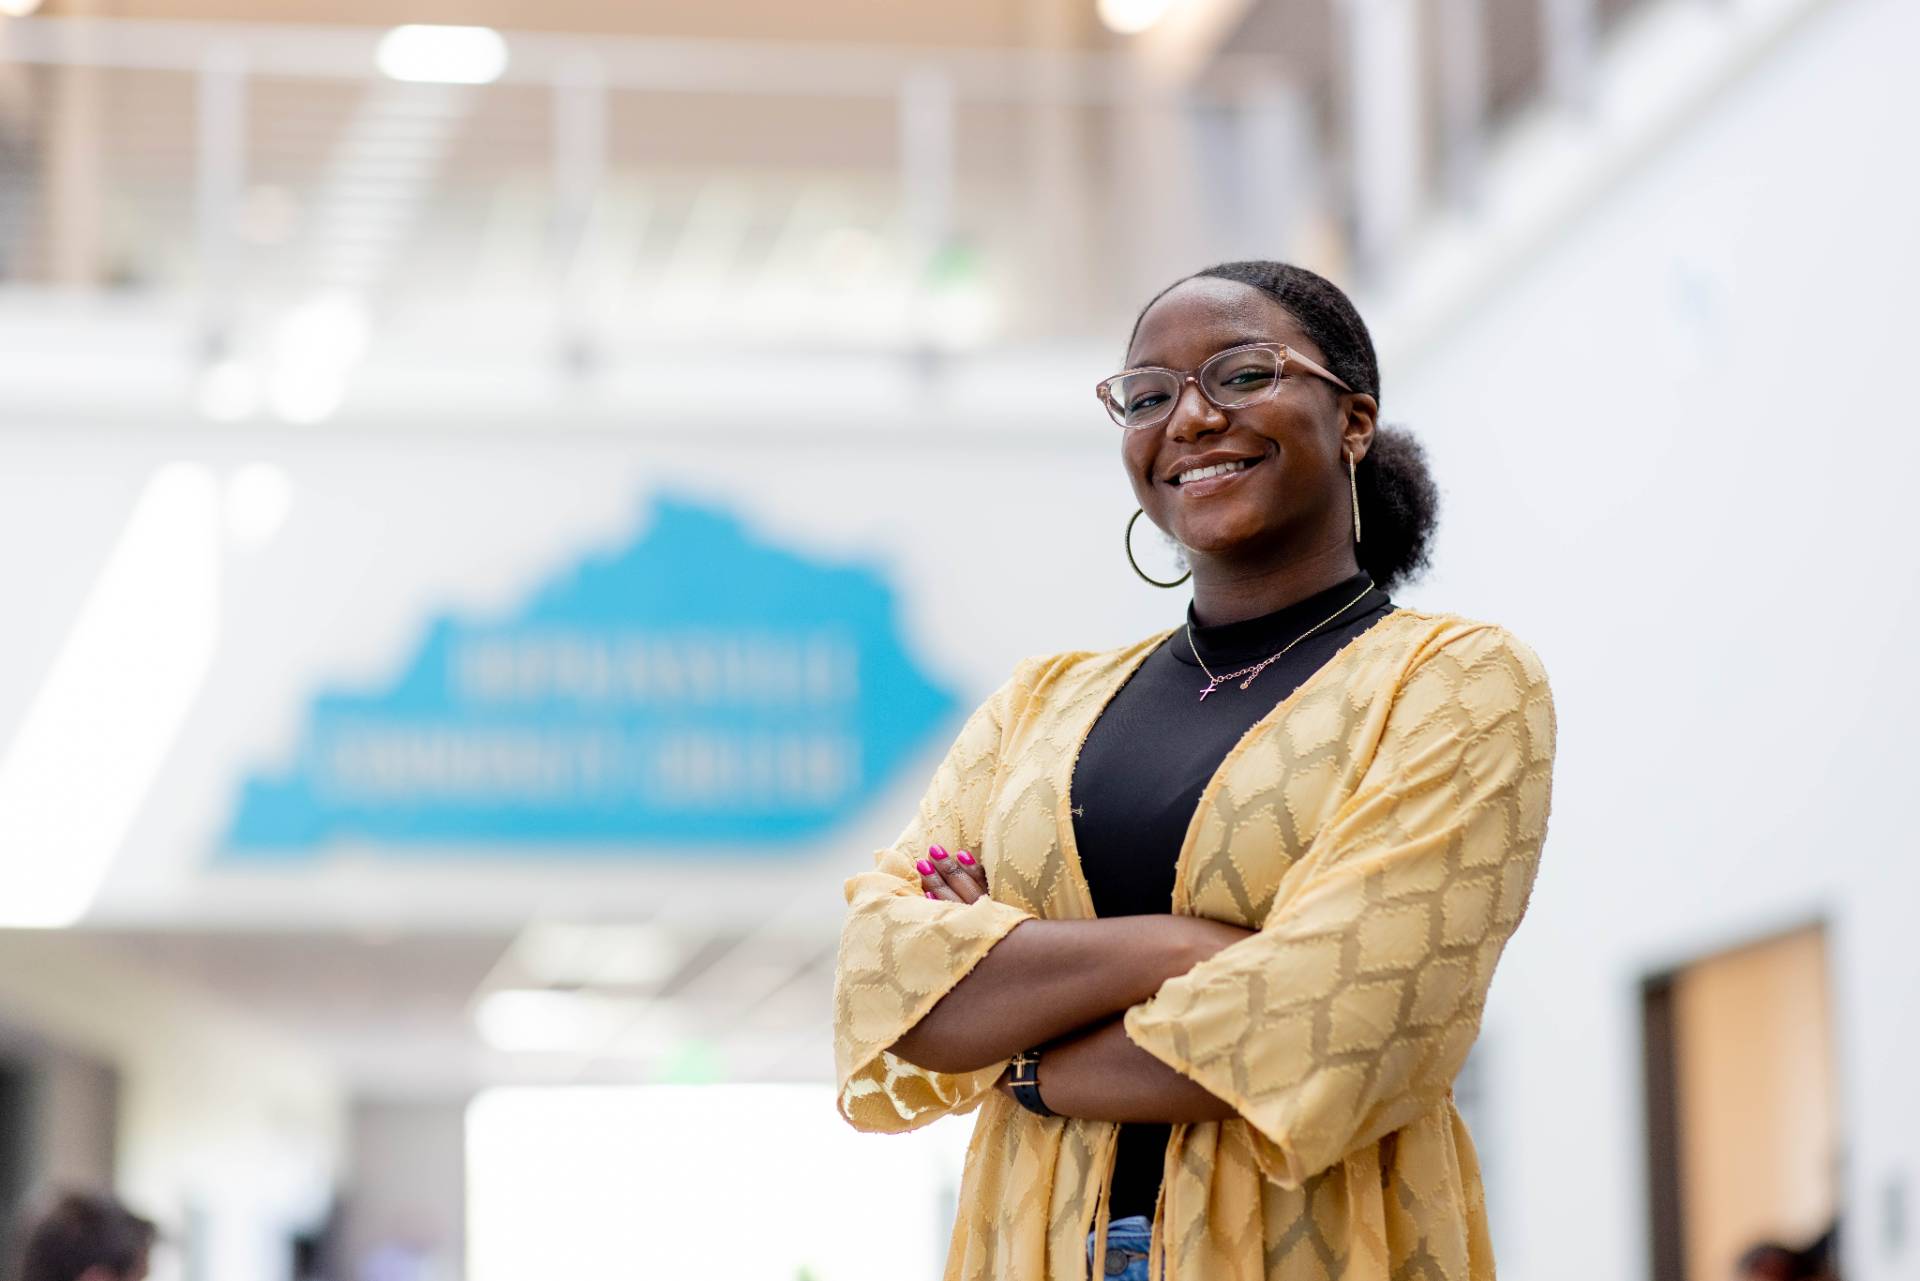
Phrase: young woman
[1204,925]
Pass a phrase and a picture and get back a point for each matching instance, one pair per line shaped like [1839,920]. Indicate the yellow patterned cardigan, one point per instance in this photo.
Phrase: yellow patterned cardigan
[1379,828]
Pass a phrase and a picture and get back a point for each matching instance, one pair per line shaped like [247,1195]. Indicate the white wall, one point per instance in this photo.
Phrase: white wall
[1679,450]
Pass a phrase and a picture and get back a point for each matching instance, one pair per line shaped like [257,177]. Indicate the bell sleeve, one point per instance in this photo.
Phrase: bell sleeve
[900,952]
[1351,1011]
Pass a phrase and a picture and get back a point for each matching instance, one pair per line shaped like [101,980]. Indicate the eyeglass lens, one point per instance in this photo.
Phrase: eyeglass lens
[1230,380]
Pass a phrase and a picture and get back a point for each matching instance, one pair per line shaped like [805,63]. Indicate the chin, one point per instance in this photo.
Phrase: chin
[1223,533]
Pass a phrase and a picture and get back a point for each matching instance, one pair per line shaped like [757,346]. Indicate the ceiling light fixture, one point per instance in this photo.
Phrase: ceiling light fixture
[1131,17]
[427,54]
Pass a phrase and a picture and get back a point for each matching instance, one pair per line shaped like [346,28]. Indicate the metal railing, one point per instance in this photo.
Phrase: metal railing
[607,201]
[837,195]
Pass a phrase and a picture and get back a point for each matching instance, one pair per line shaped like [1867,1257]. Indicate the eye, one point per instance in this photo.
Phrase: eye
[1257,375]
[1145,401]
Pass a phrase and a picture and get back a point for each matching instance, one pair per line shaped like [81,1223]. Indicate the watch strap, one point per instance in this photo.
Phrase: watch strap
[1026,1083]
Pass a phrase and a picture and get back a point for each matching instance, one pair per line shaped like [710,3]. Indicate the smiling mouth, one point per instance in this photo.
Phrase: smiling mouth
[1209,473]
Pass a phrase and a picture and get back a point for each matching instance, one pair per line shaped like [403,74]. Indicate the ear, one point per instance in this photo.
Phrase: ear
[1356,430]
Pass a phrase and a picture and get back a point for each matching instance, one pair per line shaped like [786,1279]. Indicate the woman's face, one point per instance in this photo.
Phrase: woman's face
[1294,500]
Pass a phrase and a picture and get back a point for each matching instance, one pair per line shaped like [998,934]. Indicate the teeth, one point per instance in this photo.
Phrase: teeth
[1218,469]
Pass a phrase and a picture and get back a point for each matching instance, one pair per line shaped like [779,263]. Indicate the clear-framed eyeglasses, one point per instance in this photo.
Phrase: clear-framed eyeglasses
[1232,379]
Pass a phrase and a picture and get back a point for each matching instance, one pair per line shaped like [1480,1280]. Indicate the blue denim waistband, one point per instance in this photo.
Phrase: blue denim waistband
[1128,1241]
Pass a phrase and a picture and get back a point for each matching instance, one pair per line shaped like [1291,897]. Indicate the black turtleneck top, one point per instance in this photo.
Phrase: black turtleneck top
[1151,754]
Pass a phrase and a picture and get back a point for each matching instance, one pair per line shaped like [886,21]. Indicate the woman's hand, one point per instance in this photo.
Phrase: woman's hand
[952,878]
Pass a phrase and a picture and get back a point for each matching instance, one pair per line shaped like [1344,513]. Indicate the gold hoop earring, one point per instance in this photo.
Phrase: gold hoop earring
[1138,513]
[1353,482]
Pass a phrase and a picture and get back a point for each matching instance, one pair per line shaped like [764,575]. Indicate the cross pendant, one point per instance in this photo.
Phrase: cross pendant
[1208,690]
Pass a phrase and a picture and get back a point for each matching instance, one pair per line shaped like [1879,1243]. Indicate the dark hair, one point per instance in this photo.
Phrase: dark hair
[1773,1260]
[1399,503]
[82,1232]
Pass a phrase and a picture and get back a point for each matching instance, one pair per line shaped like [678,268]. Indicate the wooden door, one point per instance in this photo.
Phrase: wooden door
[1743,1122]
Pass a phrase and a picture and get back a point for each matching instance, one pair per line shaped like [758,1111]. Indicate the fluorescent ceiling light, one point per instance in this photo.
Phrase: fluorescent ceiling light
[1131,17]
[442,55]
[100,729]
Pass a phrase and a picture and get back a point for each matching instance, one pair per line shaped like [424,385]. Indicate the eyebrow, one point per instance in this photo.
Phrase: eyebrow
[1237,342]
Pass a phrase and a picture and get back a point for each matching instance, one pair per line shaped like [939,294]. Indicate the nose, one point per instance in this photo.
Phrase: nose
[1193,414]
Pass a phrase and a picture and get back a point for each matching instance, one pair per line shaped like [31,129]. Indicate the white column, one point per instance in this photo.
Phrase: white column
[579,173]
[1061,241]
[1157,187]
[926,161]
[71,210]
[1383,90]
[1463,96]
[220,158]
[927,146]
[1569,31]
[1281,175]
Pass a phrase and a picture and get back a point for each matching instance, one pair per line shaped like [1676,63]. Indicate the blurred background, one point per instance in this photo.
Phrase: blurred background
[504,504]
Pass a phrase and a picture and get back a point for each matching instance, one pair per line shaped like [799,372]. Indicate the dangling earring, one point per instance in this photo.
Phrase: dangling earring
[1353,482]
[1138,513]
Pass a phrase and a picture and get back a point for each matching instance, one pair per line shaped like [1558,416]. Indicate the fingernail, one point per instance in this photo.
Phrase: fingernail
[966,858]
[925,868]
[932,895]
[937,852]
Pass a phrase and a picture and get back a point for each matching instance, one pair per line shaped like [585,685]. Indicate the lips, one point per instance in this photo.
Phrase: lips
[1212,476]
[1213,458]
[1198,474]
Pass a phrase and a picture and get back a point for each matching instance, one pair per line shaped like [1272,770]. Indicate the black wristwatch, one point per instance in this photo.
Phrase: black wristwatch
[1026,1083]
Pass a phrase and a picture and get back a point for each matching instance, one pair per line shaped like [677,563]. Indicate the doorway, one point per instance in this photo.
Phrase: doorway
[1743,1124]
[16,1152]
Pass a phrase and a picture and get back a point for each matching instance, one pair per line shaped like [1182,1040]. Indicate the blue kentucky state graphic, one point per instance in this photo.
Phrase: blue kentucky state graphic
[698,688]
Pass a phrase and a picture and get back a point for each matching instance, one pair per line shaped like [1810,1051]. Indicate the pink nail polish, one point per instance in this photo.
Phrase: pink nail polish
[936,851]
[966,858]
[924,868]
[932,895]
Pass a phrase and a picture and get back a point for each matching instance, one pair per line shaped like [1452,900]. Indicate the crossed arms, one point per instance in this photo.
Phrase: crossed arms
[1064,985]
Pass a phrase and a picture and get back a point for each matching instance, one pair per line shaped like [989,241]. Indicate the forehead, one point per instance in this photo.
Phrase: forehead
[1199,317]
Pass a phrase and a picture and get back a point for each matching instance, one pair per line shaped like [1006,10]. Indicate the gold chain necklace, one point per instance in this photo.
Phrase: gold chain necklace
[1214,682]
